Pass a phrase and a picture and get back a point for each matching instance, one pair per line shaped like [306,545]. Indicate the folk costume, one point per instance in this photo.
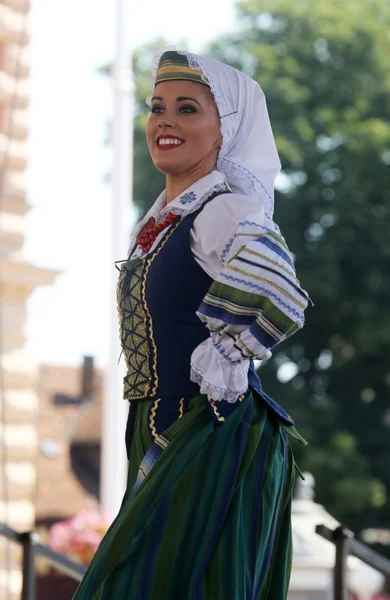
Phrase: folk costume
[208,287]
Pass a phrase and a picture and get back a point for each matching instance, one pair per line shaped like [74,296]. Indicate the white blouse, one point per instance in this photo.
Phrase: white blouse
[221,236]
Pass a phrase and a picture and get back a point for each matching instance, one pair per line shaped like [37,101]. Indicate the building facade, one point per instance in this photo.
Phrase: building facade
[18,279]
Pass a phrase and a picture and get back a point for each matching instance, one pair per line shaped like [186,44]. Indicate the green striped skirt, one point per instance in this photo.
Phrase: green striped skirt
[206,514]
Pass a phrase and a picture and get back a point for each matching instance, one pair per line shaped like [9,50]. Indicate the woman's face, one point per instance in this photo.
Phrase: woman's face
[183,130]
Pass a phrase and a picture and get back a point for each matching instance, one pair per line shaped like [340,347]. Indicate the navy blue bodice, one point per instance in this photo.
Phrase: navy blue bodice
[158,297]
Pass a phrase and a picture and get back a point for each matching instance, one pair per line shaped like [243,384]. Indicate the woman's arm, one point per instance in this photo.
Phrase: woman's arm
[254,303]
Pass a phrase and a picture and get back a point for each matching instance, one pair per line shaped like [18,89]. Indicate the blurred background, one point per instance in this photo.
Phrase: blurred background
[324,67]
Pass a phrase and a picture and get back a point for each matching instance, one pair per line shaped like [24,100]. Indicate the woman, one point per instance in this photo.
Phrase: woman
[209,286]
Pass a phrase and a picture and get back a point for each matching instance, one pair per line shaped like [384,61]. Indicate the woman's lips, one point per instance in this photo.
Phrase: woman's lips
[169,146]
[169,143]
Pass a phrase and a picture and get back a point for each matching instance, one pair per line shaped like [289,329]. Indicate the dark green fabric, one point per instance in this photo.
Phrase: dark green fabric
[211,520]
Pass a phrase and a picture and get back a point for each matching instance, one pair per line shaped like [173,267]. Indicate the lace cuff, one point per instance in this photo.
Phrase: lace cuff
[218,377]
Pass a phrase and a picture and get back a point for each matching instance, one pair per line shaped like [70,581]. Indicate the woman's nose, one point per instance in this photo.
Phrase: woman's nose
[166,120]
[165,123]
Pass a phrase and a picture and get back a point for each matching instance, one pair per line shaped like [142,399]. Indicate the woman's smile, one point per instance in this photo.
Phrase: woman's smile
[171,142]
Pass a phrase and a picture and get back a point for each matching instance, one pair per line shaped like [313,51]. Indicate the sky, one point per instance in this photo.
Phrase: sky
[68,226]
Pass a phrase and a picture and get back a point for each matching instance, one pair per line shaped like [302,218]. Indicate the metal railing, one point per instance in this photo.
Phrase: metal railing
[342,538]
[32,547]
[346,544]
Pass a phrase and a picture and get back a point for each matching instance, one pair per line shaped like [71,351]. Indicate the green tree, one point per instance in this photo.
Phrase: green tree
[324,69]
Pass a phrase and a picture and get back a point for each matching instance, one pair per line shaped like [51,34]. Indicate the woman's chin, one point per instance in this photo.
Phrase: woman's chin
[168,167]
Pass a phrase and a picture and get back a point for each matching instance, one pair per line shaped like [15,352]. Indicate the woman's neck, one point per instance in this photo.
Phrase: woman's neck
[176,184]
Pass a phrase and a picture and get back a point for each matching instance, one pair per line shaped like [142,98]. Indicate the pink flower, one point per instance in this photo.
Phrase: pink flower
[59,536]
[80,536]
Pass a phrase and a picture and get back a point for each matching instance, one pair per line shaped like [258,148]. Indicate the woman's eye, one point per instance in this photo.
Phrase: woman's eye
[187,109]
[156,109]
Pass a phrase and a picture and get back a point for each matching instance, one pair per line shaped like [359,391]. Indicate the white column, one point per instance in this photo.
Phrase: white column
[114,463]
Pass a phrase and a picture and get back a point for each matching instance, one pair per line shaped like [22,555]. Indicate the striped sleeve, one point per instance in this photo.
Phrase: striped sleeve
[256,301]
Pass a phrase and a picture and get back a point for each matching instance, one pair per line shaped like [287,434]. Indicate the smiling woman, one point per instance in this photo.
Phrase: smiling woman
[208,287]
[184,118]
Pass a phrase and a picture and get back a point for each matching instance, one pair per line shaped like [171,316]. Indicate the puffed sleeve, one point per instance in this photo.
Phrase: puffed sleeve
[254,303]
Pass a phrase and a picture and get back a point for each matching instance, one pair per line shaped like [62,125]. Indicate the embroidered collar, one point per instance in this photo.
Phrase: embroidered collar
[193,197]
[188,202]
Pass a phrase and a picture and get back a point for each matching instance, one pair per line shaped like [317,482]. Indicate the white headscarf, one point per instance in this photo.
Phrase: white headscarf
[248,155]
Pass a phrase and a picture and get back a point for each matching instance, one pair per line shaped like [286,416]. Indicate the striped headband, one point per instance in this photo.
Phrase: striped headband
[174,66]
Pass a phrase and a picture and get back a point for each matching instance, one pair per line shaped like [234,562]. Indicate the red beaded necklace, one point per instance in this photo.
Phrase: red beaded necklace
[146,237]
